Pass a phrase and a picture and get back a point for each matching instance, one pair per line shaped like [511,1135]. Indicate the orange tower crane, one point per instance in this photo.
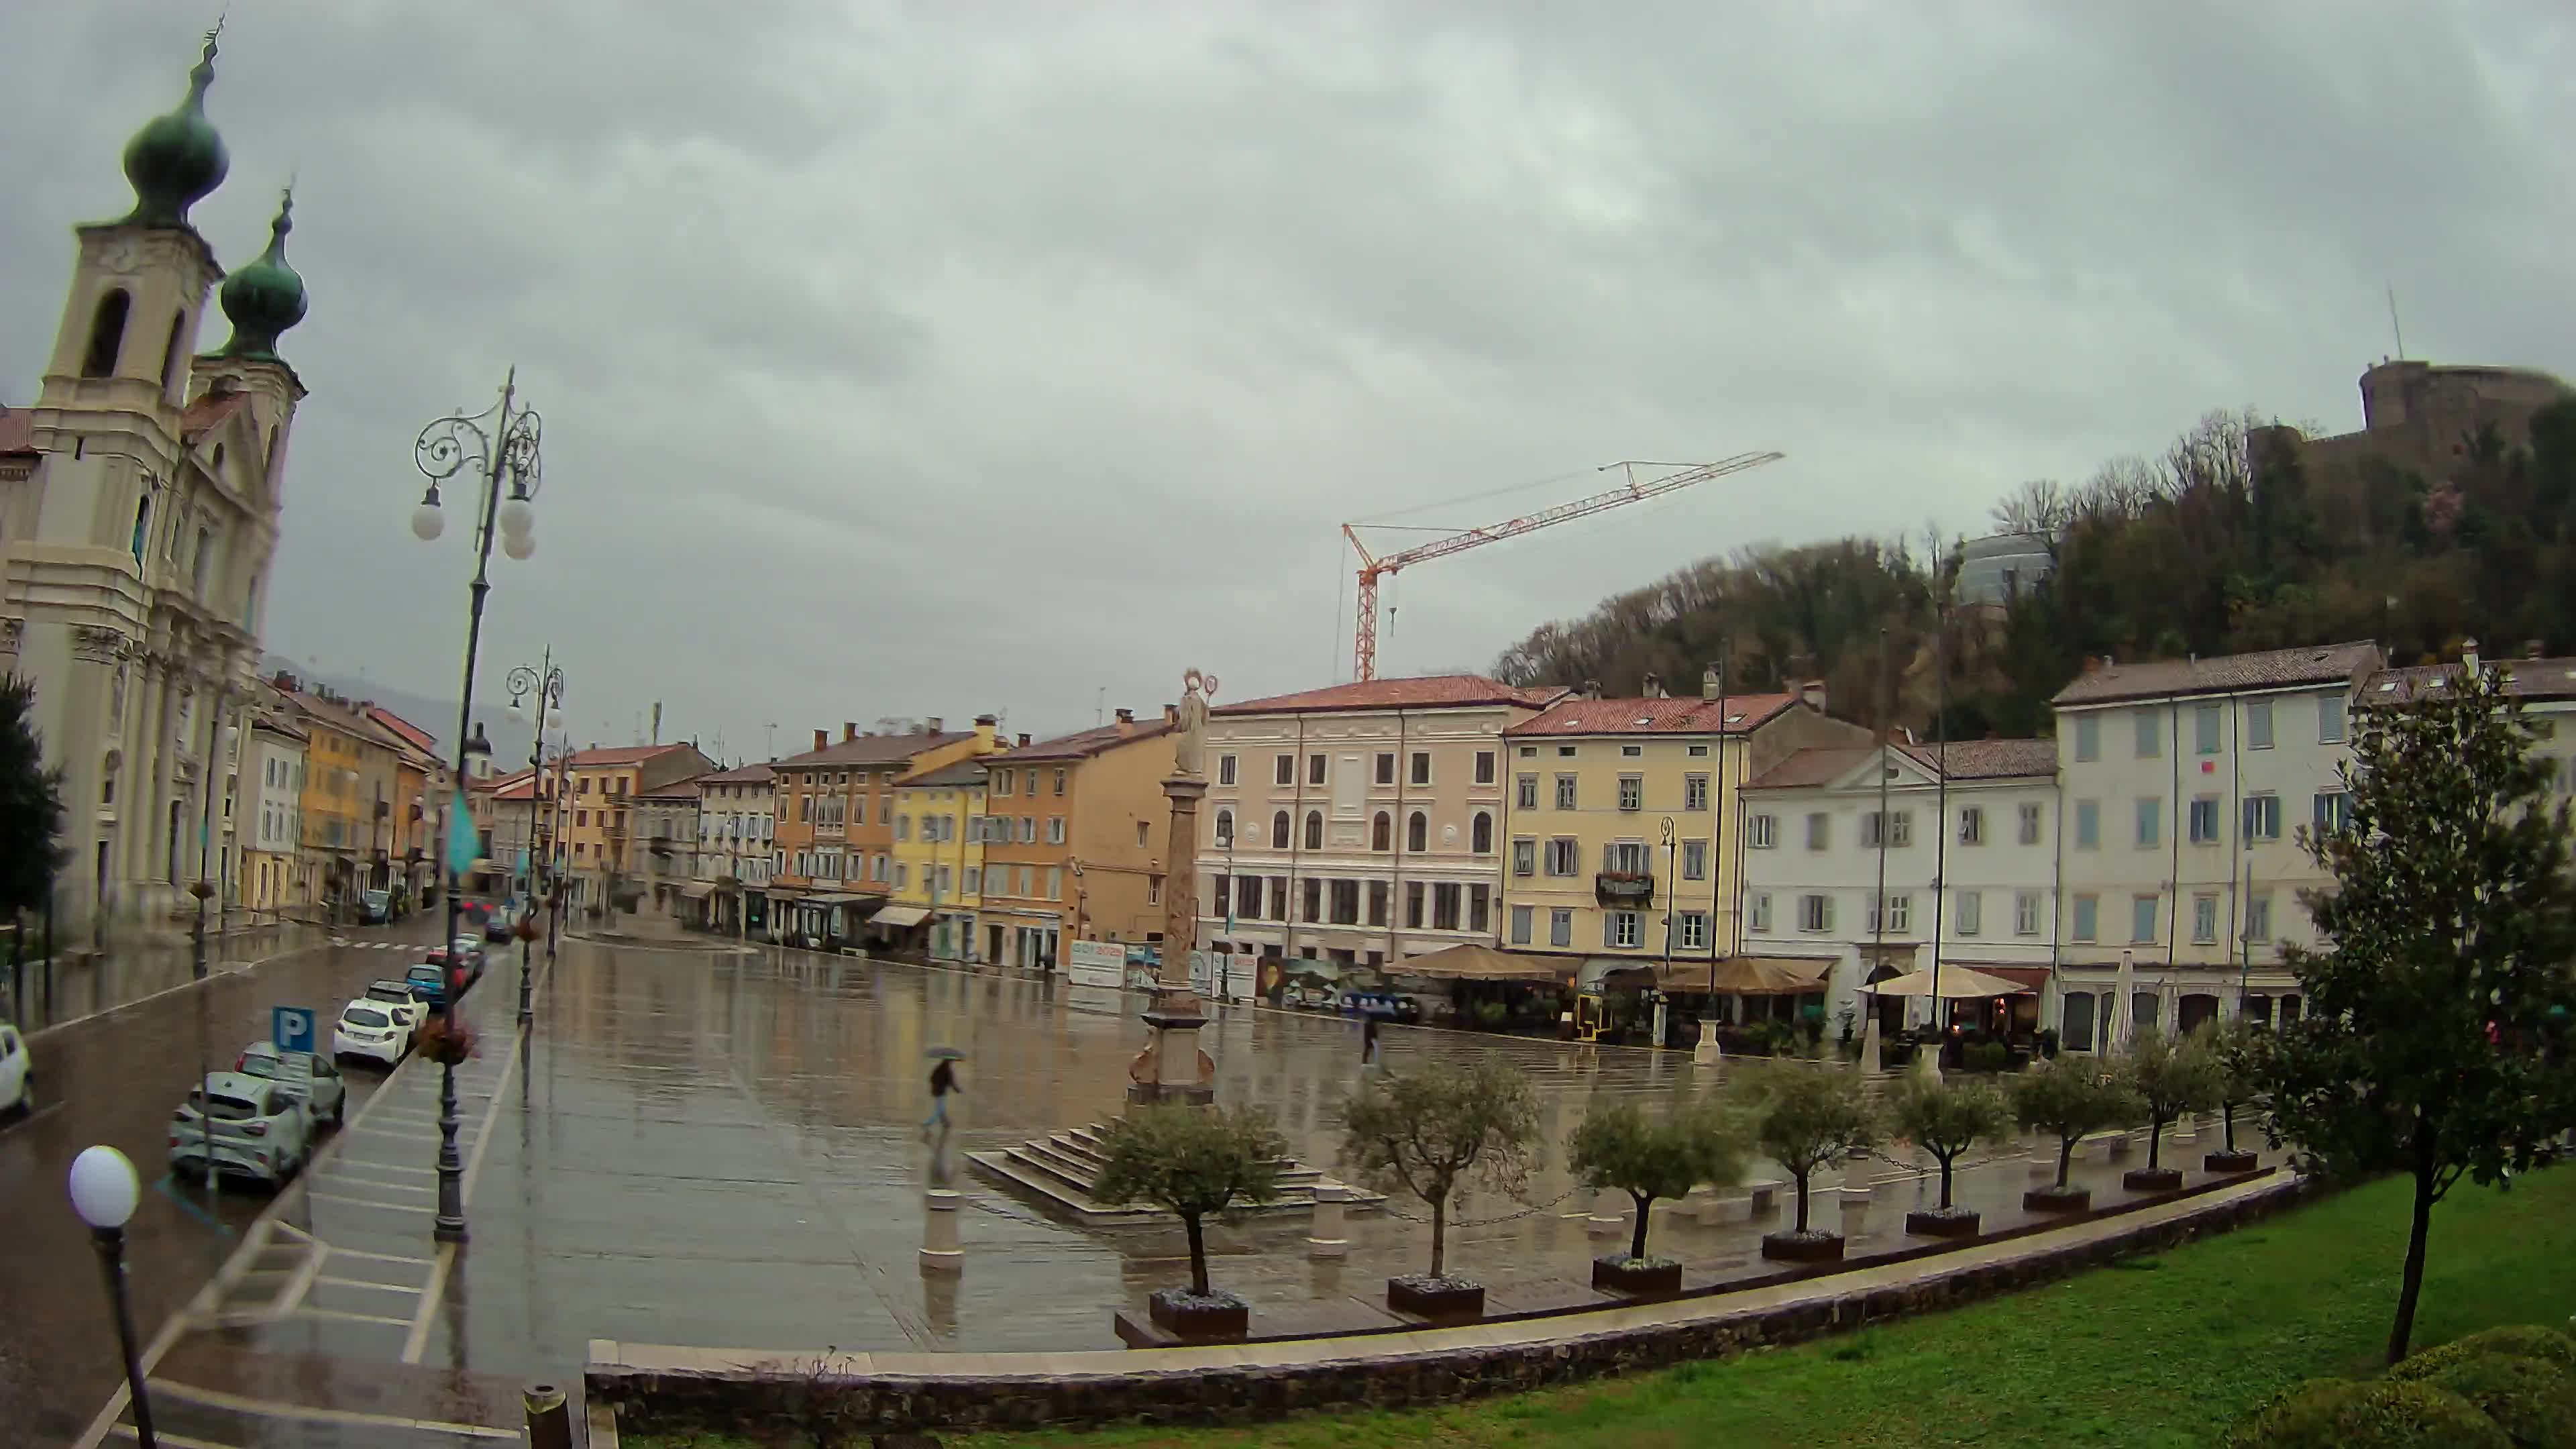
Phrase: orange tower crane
[1373,568]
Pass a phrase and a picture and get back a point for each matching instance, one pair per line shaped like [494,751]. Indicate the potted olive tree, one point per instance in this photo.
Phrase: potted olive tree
[1190,1162]
[1946,1119]
[2243,1050]
[1618,1146]
[1814,1118]
[1437,1132]
[2070,1100]
[2169,1076]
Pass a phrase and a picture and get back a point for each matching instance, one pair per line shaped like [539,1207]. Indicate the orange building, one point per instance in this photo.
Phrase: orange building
[833,835]
[1073,841]
[600,788]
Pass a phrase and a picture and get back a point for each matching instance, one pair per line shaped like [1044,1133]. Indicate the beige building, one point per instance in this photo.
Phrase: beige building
[1073,841]
[1358,824]
[139,509]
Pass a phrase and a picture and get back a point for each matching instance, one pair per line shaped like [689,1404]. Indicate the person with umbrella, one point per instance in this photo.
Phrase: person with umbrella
[943,1080]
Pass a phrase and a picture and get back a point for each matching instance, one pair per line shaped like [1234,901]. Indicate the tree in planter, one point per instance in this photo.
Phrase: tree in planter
[31,804]
[2070,1100]
[2243,1051]
[2168,1077]
[1815,1118]
[1439,1130]
[1946,1119]
[1618,1146]
[2429,1046]
[1190,1162]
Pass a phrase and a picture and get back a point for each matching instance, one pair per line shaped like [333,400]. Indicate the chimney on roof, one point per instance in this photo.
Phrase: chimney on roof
[933,725]
[2531,648]
[2469,655]
[1024,739]
[2092,665]
[1652,687]
[285,680]
[1591,689]
[1711,683]
[849,730]
[1812,694]
[1126,716]
[822,738]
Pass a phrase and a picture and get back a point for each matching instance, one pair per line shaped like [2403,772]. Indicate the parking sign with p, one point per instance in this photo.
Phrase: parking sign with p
[291,1028]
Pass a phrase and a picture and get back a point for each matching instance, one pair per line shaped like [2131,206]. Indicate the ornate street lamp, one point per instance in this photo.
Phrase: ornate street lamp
[547,683]
[104,1192]
[496,446]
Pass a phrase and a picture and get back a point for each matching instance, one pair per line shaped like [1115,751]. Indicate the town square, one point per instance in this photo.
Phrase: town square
[676,766]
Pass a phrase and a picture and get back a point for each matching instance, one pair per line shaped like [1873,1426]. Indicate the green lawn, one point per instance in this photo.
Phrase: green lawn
[2155,1351]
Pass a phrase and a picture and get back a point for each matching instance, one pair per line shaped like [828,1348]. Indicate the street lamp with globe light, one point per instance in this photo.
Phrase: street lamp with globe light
[495,447]
[546,682]
[104,1192]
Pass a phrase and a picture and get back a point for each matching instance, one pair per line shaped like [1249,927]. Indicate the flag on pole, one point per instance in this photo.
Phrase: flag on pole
[461,851]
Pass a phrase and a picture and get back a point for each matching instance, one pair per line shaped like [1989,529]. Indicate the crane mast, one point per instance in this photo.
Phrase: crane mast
[1373,568]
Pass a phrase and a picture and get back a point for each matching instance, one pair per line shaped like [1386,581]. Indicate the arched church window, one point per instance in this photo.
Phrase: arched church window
[170,350]
[107,333]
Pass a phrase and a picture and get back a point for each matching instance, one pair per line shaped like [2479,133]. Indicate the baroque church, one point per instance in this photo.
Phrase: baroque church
[137,528]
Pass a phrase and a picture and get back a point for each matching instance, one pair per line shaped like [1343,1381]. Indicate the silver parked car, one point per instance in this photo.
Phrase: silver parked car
[238,1125]
[315,1079]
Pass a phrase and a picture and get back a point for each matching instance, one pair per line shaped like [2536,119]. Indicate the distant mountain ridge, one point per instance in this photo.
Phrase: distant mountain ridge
[510,734]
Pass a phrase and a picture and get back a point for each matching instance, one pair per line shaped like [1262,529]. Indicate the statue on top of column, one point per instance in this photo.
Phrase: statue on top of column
[1189,748]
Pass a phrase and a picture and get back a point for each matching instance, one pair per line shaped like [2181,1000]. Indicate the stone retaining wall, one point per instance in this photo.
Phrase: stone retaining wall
[820,1397]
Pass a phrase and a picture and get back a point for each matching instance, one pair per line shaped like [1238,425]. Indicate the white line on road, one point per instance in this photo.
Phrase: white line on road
[366,1283]
[215,1399]
[364,1202]
[310,1311]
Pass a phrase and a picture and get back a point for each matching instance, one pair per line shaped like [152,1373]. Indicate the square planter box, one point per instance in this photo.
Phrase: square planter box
[1652,1278]
[1935,1223]
[2151,1179]
[1217,1318]
[2231,1162]
[1811,1247]
[1442,1298]
[2057,1200]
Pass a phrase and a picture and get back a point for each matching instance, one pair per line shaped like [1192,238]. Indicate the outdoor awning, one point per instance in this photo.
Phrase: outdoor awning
[1474,962]
[1765,976]
[1958,983]
[698,892]
[899,916]
[2033,978]
[839,898]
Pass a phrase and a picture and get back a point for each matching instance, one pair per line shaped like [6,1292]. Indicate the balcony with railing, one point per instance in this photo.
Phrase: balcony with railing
[1624,888]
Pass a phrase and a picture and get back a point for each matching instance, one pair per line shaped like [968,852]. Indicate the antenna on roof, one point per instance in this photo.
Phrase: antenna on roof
[2393,324]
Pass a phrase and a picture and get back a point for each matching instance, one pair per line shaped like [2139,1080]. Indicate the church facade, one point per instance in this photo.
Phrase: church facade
[135,551]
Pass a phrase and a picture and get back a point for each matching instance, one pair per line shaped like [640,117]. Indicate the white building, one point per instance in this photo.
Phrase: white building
[735,831]
[1310,847]
[269,818]
[1975,890]
[135,546]
[2186,782]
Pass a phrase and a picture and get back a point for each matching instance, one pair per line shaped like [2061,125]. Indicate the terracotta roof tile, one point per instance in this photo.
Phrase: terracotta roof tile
[420,739]
[1809,768]
[874,749]
[956,773]
[17,430]
[2525,678]
[746,775]
[2270,669]
[208,413]
[1688,715]
[1425,692]
[614,755]
[1969,760]
[1083,744]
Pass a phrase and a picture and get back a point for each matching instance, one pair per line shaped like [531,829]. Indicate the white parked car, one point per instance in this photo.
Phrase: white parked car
[401,1000]
[369,1029]
[313,1079]
[17,1073]
[240,1126]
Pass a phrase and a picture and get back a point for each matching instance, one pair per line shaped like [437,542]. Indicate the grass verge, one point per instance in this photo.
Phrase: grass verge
[2156,1351]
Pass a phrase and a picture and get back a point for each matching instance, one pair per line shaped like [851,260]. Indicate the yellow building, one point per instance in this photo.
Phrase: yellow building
[938,858]
[1623,826]
[600,786]
[351,783]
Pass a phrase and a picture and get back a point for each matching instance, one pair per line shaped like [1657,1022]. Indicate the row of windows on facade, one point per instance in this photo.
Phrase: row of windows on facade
[1417,831]
[1632,792]
[2206,728]
[1815,915]
[2260,814]
[1319,768]
[1620,930]
[1427,905]
[885,870]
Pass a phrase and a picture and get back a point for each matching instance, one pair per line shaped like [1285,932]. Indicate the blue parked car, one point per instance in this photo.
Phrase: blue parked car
[428,981]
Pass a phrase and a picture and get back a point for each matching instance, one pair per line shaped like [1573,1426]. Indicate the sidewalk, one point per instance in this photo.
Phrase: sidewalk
[76,984]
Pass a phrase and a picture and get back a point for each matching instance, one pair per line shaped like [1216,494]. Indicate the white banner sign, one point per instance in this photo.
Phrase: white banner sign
[1096,963]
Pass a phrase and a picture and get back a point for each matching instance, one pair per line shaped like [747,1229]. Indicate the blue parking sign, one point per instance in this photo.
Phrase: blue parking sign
[291,1028]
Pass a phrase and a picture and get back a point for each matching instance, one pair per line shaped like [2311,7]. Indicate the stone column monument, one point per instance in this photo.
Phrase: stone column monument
[1171,1068]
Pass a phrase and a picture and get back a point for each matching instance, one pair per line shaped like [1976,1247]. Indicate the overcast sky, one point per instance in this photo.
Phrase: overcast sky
[947,358]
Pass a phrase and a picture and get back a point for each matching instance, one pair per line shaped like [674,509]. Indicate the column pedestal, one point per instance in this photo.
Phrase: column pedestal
[1873,1053]
[1704,1052]
[940,1251]
[1324,1232]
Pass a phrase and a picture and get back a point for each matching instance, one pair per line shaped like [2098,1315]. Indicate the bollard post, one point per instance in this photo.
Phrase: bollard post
[549,1417]
[1325,1232]
[940,1250]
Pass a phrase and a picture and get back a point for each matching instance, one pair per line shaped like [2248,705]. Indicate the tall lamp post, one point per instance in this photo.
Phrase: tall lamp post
[497,445]
[547,683]
[104,1192]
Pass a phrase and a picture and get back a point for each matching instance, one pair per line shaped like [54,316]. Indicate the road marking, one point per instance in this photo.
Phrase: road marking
[437,1288]
[310,1311]
[164,1436]
[364,1283]
[369,1162]
[216,1399]
[194,1210]
[351,1179]
[49,1107]
[376,1257]
[363,1202]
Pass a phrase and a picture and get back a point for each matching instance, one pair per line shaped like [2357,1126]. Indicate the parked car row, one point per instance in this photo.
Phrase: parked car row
[261,1120]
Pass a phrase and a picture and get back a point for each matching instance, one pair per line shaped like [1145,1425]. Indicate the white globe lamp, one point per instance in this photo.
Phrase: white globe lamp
[104,1187]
